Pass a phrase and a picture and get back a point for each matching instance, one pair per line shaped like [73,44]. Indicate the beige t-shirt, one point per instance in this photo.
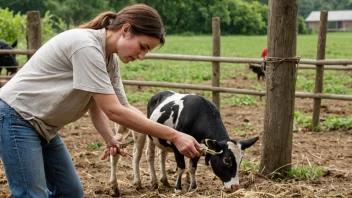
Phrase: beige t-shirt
[52,89]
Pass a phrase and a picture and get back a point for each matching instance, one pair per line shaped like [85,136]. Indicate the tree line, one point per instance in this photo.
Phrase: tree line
[247,17]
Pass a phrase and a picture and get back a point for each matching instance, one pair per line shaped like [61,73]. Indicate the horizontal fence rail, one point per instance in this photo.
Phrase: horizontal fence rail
[330,67]
[17,51]
[210,58]
[242,60]
[230,90]
[9,66]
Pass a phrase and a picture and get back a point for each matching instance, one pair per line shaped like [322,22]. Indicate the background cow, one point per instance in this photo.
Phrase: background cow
[8,59]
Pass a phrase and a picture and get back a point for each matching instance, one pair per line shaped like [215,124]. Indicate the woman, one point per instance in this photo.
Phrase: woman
[75,72]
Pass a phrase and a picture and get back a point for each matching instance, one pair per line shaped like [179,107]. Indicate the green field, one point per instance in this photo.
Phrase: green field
[336,82]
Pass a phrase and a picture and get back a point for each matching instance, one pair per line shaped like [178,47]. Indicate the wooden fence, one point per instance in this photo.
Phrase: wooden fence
[34,42]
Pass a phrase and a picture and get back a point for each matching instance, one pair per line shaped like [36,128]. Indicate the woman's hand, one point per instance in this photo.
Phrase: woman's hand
[187,145]
[113,147]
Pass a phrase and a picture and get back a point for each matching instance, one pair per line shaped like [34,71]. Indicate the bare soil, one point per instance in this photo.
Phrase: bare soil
[331,150]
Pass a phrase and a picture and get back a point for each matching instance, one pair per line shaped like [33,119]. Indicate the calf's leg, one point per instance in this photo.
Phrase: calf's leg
[162,159]
[192,174]
[113,162]
[180,160]
[113,181]
[150,159]
[139,141]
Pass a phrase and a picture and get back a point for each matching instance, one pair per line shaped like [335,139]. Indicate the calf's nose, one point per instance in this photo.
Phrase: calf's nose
[235,187]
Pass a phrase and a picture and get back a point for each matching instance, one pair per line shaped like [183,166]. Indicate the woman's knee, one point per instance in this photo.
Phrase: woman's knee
[75,190]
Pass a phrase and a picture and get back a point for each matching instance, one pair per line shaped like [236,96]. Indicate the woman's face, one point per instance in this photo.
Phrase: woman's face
[130,48]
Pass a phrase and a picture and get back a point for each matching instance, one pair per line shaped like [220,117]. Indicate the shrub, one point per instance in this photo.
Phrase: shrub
[12,25]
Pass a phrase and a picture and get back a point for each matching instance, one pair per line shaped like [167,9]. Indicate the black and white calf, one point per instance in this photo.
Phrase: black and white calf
[8,59]
[198,117]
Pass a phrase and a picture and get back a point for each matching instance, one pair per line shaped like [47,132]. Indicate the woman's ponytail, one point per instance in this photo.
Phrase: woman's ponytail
[101,21]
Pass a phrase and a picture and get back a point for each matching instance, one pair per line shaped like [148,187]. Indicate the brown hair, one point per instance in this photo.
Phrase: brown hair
[143,19]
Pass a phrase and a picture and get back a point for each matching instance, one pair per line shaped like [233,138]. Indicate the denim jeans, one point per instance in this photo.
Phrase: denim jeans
[35,167]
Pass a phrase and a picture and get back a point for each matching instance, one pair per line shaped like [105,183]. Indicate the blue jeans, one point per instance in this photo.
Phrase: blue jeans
[35,167]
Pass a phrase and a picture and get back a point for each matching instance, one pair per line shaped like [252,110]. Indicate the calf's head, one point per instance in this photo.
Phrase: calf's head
[226,159]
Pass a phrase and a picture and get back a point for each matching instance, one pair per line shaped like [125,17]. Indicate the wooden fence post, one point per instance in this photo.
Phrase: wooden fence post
[319,74]
[34,31]
[280,75]
[216,64]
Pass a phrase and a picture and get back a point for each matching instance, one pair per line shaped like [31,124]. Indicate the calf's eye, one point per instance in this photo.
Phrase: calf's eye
[227,161]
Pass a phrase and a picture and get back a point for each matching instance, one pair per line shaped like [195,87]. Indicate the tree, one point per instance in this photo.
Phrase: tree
[246,18]
[305,7]
[76,11]
[23,6]
[117,5]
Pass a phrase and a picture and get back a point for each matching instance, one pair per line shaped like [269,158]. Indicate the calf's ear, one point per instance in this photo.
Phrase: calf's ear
[247,143]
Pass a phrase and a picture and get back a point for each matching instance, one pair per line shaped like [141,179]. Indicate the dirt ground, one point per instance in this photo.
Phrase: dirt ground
[331,150]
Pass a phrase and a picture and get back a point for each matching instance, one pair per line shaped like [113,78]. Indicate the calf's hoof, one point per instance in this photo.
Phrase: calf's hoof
[155,186]
[165,182]
[192,189]
[138,186]
[178,191]
[115,190]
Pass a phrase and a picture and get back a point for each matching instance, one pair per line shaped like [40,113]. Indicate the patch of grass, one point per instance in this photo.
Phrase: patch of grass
[94,145]
[335,82]
[331,122]
[240,132]
[248,126]
[305,84]
[334,89]
[143,96]
[301,120]
[137,97]
[246,165]
[335,123]
[236,99]
[306,173]
[258,87]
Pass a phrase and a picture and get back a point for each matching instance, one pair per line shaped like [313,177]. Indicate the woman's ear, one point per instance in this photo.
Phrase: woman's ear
[125,28]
